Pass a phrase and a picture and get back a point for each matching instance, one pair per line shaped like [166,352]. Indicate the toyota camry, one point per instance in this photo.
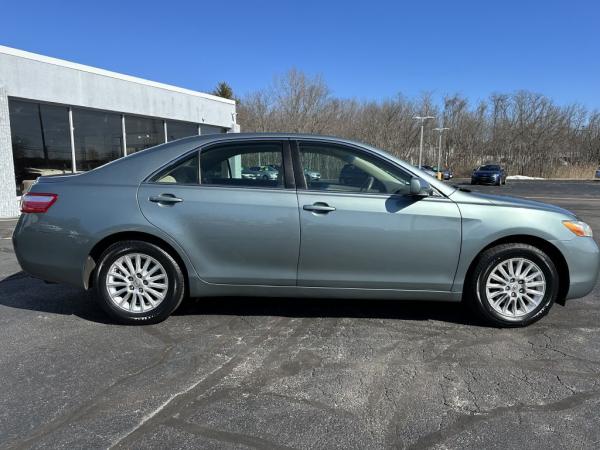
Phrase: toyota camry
[182,219]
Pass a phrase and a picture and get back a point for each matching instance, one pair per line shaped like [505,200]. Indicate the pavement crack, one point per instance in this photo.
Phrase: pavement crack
[163,405]
[224,436]
[467,421]
[180,401]
[89,406]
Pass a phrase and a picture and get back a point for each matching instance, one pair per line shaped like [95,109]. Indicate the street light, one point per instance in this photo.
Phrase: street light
[422,119]
[440,130]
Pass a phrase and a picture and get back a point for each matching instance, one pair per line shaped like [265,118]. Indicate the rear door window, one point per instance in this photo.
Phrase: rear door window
[258,165]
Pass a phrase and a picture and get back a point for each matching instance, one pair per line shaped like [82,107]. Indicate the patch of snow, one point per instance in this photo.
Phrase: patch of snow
[522,177]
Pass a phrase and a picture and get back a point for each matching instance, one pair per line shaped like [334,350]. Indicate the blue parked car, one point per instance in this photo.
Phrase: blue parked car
[489,174]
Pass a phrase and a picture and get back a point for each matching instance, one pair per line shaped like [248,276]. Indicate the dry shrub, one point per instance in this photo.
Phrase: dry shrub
[575,172]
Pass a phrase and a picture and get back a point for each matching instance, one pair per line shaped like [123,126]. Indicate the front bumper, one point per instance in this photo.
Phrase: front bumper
[485,180]
[583,259]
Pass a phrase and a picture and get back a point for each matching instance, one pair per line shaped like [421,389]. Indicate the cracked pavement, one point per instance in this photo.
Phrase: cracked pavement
[290,373]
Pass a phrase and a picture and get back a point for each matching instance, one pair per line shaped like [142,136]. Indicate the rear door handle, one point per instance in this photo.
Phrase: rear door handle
[319,208]
[165,199]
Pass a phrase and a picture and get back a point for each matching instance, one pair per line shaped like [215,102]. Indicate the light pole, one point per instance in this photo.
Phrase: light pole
[422,119]
[440,130]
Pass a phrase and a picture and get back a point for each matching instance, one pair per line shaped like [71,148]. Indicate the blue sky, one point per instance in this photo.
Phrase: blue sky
[366,50]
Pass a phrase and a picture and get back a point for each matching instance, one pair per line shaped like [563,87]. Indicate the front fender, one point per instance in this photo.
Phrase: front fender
[484,224]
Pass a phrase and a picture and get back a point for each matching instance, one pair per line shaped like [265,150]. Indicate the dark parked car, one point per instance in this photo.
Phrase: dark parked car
[172,221]
[446,173]
[598,172]
[489,174]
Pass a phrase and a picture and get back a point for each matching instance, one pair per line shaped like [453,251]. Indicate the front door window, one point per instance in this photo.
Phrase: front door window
[334,168]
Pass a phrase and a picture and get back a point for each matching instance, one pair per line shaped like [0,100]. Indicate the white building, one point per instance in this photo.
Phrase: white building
[61,117]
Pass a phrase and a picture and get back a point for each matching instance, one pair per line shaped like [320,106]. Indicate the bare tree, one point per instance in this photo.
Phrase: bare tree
[525,131]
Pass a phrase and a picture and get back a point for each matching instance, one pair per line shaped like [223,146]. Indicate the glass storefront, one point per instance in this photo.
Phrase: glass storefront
[40,139]
[143,132]
[178,130]
[98,138]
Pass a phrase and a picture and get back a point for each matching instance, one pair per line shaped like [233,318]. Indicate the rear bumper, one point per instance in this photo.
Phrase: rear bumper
[49,252]
[583,259]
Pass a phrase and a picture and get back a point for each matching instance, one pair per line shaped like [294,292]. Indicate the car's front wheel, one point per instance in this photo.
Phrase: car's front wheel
[513,285]
[138,282]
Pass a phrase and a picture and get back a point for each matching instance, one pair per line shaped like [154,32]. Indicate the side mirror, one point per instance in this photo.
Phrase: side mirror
[419,187]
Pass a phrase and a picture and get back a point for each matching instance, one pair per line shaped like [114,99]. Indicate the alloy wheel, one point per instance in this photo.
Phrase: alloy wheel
[137,283]
[515,287]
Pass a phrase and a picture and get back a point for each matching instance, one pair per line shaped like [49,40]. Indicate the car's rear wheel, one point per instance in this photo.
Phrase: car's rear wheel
[513,285]
[138,282]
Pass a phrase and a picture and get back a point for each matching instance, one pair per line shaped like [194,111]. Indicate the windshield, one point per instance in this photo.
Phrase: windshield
[489,167]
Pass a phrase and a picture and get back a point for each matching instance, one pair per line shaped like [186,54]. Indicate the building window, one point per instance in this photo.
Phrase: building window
[142,132]
[98,138]
[178,130]
[41,140]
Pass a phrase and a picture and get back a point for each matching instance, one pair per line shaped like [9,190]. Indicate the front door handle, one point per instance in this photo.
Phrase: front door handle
[165,199]
[319,207]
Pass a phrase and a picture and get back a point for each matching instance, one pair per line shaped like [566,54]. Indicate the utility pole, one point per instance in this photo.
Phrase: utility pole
[422,119]
[440,130]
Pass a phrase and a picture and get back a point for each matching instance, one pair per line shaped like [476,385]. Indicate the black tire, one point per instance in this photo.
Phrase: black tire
[473,182]
[175,285]
[475,292]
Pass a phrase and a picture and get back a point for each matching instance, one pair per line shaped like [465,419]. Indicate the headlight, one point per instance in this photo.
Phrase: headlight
[579,228]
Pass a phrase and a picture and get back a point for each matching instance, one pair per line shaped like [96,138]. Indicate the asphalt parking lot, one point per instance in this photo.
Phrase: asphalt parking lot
[289,373]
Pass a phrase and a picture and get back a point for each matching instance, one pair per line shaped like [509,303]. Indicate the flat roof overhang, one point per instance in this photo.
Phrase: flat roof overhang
[36,77]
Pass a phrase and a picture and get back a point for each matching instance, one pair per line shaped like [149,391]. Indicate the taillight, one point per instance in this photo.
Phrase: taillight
[36,202]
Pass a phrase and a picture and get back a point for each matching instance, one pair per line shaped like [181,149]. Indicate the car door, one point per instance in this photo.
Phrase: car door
[366,231]
[234,229]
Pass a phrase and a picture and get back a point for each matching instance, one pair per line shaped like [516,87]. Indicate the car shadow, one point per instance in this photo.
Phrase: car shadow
[21,291]
[24,292]
[330,308]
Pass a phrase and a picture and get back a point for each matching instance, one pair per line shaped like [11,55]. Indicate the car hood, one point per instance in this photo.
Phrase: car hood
[501,200]
[486,172]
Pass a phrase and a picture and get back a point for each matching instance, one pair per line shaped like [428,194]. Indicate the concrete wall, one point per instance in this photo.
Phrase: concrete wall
[8,201]
[31,76]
